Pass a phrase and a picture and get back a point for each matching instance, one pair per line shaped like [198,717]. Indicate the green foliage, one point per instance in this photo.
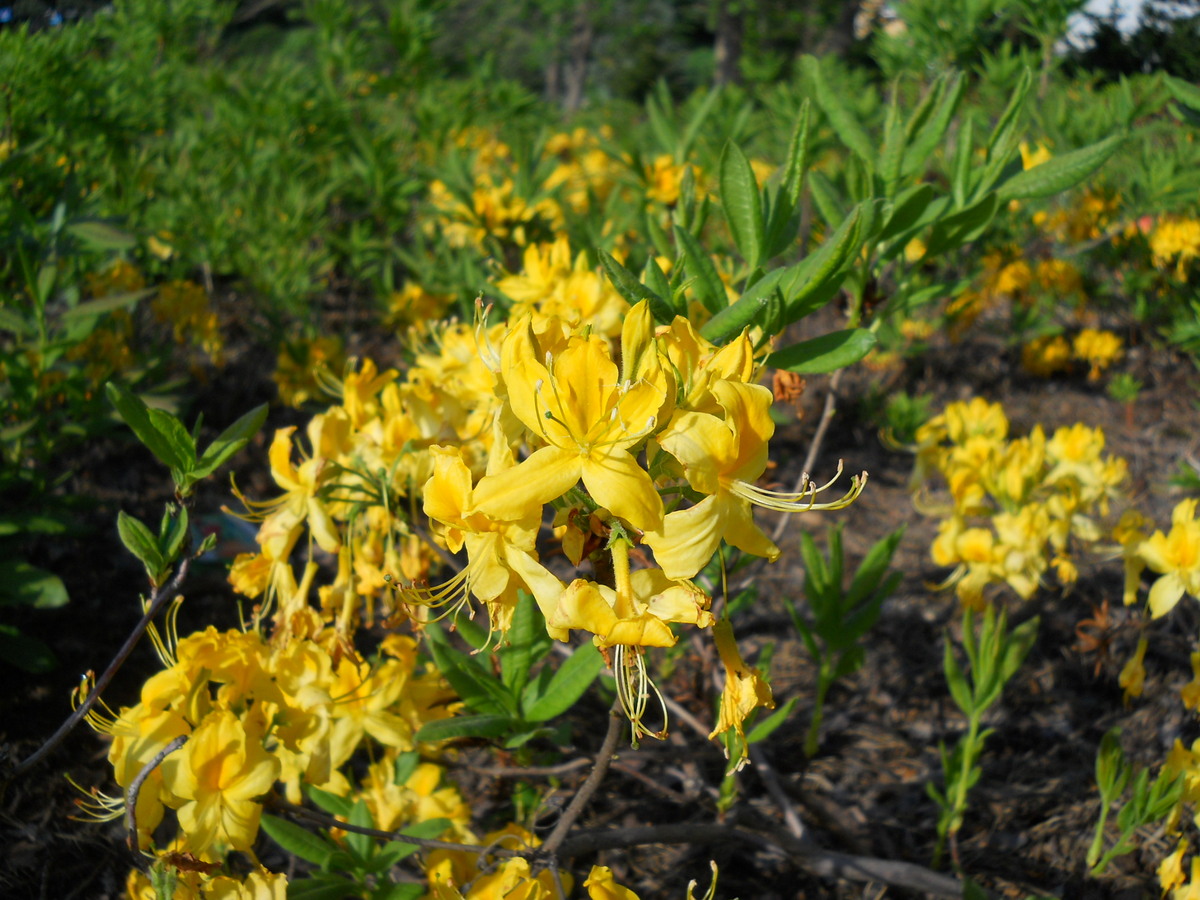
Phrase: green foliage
[993,657]
[839,617]
[1149,803]
[515,706]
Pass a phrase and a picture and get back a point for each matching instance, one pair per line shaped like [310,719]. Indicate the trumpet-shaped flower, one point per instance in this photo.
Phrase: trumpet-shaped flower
[745,688]
[655,602]
[1176,556]
[723,457]
[218,774]
[590,422]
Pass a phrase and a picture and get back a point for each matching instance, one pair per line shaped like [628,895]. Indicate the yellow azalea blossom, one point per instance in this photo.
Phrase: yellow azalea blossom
[1044,356]
[723,458]
[1190,693]
[745,688]
[501,553]
[1031,157]
[260,885]
[590,421]
[219,774]
[1191,890]
[1176,557]
[1099,349]
[1178,239]
[601,885]
[656,601]
[1170,870]
[1133,676]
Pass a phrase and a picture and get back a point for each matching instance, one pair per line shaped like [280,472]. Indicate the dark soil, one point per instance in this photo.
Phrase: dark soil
[1031,814]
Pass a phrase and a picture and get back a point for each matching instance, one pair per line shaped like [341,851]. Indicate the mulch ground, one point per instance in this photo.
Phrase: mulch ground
[1031,815]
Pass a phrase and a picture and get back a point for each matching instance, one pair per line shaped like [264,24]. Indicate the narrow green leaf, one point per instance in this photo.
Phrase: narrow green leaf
[1060,172]
[796,164]
[908,209]
[1004,134]
[817,270]
[478,690]
[960,181]
[1017,647]
[709,288]
[1185,92]
[633,290]
[742,204]
[107,304]
[747,310]
[654,278]
[825,353]
[695,123]
[297,841]
[768,726]
[516,656]
[932,130]
[331,803]
[826,198]
[955,679]
[837,110]
[24,584]
[321,887]
[102,236]
[573,677]
[486,726]
[231,440]
[873,567]
[891,155]
[962,227]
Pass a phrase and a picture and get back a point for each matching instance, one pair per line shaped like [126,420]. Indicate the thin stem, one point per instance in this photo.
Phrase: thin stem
[814,447]
[158,602]
[550,848]
[135,788]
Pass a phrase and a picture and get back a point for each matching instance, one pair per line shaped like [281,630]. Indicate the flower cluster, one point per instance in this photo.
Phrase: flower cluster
[184,305]
[1016,507]
[1176,240]
[1049,354]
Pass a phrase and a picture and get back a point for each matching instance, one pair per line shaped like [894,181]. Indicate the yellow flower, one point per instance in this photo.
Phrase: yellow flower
[1190,693]
[745,689]
[723,457]
[1170,870]
[1099,349]
[218,774]
[601,886]
[655,601]
[590,421]
[1190,891]
[1046,355]
[1133,676]
[260,885]
[1034,157]
[1176,556]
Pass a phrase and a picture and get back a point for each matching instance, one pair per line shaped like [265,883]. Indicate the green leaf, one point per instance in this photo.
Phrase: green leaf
[167,441]
[633,290]
[360,845]
[962,227]
[825,353]
[331,803]
[955,679]
[105,304]
[742,204]
[817,271]
[891,155]
[964,152]
[871,570]
[796,163]
[709,288]
[484,726]
[747,310]
[837,111]
[573,677]
[322,887]
[765,728]
[102,236]
[516,657]
[406,765]
[230,441]
[297,841]
[1183,91]
[140,541]
[654,278]
[24,584]
[930,131]
[908,209]
[25,652]
[478,689]
[1017,647]
[1060,172]
[695,123]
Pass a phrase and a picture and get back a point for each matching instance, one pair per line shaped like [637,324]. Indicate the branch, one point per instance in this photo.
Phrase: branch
[135,788]
[158,601]
[549,849]
[825,863]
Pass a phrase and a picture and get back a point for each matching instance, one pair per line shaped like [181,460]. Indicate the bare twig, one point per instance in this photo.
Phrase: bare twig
[550,848]
[814,447]
[764,770]
[319,818]
[825,863]
[522,771]
[158,602]
[135,788]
